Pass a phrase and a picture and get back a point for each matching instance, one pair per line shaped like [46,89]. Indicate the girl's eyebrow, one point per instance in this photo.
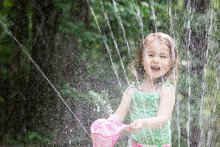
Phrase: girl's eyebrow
[149,51]
[164,53]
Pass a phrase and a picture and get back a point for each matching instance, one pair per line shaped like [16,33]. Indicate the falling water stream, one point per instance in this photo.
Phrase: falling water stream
[177,99]
[188,69]
[141,25]
[115,44]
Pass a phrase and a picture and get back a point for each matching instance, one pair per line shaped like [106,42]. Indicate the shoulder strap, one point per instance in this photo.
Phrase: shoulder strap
[136,84]
[167,84]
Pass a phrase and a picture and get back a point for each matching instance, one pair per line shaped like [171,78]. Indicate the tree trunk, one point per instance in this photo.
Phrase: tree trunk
[42,101]
[56,58]
[1,4]
[12,109]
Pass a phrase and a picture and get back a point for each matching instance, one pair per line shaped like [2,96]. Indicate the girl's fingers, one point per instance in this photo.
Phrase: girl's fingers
[135,127]
[131,130]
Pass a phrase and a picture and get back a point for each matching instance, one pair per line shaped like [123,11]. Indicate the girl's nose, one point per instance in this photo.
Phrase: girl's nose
[156,60]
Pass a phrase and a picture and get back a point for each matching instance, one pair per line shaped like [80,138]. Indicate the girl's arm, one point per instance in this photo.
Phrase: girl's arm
[121,112]
[167,101]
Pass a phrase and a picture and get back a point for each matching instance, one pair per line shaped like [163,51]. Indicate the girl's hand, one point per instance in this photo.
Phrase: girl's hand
[135,126]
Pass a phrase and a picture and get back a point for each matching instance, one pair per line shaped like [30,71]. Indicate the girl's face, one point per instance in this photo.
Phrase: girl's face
[156,60]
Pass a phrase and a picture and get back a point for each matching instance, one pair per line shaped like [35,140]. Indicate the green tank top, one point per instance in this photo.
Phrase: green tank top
[146,106]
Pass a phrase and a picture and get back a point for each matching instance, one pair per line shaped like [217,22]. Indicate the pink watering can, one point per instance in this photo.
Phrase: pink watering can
[106,132]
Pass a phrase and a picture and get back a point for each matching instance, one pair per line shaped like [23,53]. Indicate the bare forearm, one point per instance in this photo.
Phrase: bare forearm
[121,112]
[154,122]
[116,117]
[151,123]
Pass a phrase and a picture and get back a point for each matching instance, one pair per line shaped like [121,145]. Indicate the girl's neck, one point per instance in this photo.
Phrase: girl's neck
[147,86]
[149,81]
[152,83]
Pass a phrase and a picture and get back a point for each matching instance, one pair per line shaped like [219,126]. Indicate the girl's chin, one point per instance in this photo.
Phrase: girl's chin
[154,78]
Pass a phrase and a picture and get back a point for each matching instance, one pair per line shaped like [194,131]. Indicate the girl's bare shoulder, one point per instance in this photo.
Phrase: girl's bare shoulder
[130,90]
[167,91]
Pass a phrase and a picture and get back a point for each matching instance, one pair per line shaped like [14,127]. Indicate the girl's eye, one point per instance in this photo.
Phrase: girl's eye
[163,56]
[150,55]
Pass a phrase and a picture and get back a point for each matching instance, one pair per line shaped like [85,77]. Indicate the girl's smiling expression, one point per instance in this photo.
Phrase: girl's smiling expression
[156,60]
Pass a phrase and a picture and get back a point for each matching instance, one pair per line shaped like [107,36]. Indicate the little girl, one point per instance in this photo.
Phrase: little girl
[151,99]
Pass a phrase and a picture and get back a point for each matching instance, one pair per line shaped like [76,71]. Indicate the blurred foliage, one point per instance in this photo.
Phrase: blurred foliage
[41,137]
[8,44]
[1,99]
[98,102]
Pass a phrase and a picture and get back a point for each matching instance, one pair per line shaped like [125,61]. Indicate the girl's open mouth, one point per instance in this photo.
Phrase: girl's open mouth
[155,69]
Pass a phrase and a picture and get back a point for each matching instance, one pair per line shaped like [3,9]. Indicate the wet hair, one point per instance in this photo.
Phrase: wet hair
[137,68]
